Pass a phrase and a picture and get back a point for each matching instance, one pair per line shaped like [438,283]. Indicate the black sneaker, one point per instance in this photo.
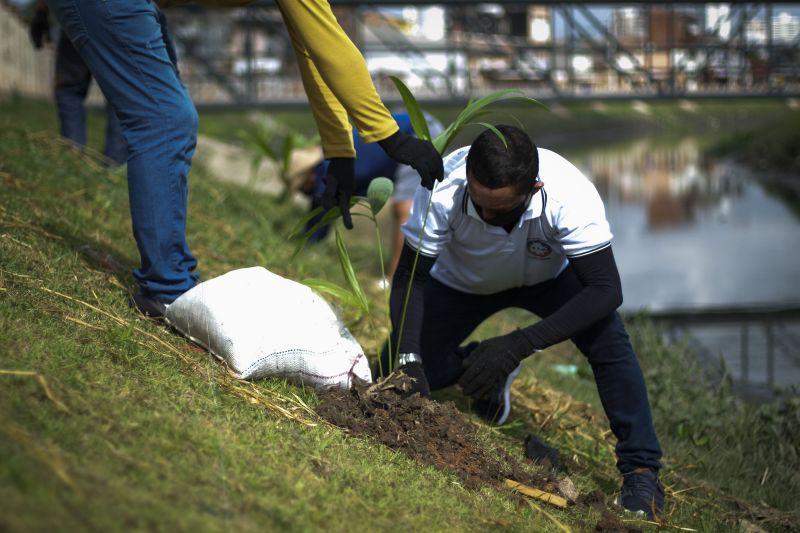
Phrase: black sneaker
[641,493]
[497,407]
[148,306]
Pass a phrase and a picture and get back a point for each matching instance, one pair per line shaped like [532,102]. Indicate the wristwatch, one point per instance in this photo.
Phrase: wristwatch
[407,358]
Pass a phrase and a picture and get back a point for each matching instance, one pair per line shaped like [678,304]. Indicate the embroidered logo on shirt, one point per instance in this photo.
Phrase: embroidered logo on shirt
[539,249]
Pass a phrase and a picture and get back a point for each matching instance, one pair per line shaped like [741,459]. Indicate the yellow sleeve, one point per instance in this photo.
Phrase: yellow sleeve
[335,78]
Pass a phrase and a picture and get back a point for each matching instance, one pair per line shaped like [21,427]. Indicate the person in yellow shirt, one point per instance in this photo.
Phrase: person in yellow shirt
[123,46]
[338,84]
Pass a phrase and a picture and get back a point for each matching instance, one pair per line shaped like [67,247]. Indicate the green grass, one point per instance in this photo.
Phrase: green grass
[565,125]
[137,429]
[770,146]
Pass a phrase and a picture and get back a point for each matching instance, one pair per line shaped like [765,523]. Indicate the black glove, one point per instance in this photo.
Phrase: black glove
[539,452]
[420,382]
[490,363]
[40,28]
[421,155]
[340,184]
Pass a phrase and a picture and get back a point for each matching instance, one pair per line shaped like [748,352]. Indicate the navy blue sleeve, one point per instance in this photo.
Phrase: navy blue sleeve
[601,295]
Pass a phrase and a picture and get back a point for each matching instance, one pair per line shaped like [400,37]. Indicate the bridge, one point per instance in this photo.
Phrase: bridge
[453,50]
[760,344]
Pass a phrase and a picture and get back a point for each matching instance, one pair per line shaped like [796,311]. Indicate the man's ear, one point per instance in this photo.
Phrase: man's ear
[538,184]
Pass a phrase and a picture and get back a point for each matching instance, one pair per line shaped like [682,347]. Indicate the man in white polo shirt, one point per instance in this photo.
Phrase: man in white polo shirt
[513,225]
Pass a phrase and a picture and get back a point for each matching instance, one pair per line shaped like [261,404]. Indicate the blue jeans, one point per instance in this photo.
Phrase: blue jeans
[73,79]
[605,344]
[122,43]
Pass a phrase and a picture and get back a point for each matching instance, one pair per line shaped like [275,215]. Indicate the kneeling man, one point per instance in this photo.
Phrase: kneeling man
[513,225]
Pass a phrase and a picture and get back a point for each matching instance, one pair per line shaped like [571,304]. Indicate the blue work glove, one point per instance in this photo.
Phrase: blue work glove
[421,155]
[340,184]
[420,383]
[40,28]
[490,363]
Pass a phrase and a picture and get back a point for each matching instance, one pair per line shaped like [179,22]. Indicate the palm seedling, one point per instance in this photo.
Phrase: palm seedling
[472,114]
[262,138]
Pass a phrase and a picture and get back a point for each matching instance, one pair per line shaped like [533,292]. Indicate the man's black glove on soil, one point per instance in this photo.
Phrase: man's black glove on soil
[421,155]
[420,384]
[40,28]
[539,452]
[340,184]
[490,363]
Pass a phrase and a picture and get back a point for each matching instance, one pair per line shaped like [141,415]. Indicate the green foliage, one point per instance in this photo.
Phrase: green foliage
[349,273]
[413,109]
[262,136]
[329,217]
[702,420]
[769,145]
[466,117]
[345,296]
[352,297]
[155,438]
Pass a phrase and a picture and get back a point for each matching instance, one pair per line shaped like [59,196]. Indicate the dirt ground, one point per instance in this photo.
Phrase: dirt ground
[437,434]
[434,433]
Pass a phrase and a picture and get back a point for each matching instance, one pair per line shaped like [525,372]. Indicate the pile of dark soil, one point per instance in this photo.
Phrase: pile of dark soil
[437,434]
[434,433]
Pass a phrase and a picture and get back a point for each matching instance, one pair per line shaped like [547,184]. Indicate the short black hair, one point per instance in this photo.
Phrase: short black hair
[496,164]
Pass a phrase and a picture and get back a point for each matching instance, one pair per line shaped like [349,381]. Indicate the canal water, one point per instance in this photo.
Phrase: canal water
[691,232]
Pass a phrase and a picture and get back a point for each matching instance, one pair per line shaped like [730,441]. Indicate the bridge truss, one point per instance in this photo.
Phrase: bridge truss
[451,51]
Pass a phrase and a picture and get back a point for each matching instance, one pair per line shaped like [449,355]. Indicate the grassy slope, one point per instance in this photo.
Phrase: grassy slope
[152,433]
[563,125]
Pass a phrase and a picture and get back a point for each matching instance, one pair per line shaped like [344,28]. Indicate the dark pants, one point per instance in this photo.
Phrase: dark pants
[452,315]
[73,79]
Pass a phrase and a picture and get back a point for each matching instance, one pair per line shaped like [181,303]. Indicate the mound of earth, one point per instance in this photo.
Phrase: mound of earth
[434,433]
[437,434]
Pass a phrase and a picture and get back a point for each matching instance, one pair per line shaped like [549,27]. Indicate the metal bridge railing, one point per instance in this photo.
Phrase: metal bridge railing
[767,334]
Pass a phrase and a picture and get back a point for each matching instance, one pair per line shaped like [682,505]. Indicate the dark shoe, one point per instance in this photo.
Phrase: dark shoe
[148,306]
[497,407]
[641,493]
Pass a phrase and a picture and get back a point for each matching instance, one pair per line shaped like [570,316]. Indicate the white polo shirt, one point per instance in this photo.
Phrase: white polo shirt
[566,218]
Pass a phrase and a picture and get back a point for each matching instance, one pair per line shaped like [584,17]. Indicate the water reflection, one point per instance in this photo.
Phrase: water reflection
[671,182]
[692,232]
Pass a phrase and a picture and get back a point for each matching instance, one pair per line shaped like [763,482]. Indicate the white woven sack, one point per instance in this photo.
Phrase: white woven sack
[261,324]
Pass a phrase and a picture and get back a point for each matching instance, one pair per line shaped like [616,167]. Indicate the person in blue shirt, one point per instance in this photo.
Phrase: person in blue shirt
[372,162]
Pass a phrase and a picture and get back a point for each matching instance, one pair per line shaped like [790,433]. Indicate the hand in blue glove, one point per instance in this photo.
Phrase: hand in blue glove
[490,363]
[421,155]
[340,184]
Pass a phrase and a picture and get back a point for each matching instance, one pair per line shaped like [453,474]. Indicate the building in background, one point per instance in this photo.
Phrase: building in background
[558,50]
